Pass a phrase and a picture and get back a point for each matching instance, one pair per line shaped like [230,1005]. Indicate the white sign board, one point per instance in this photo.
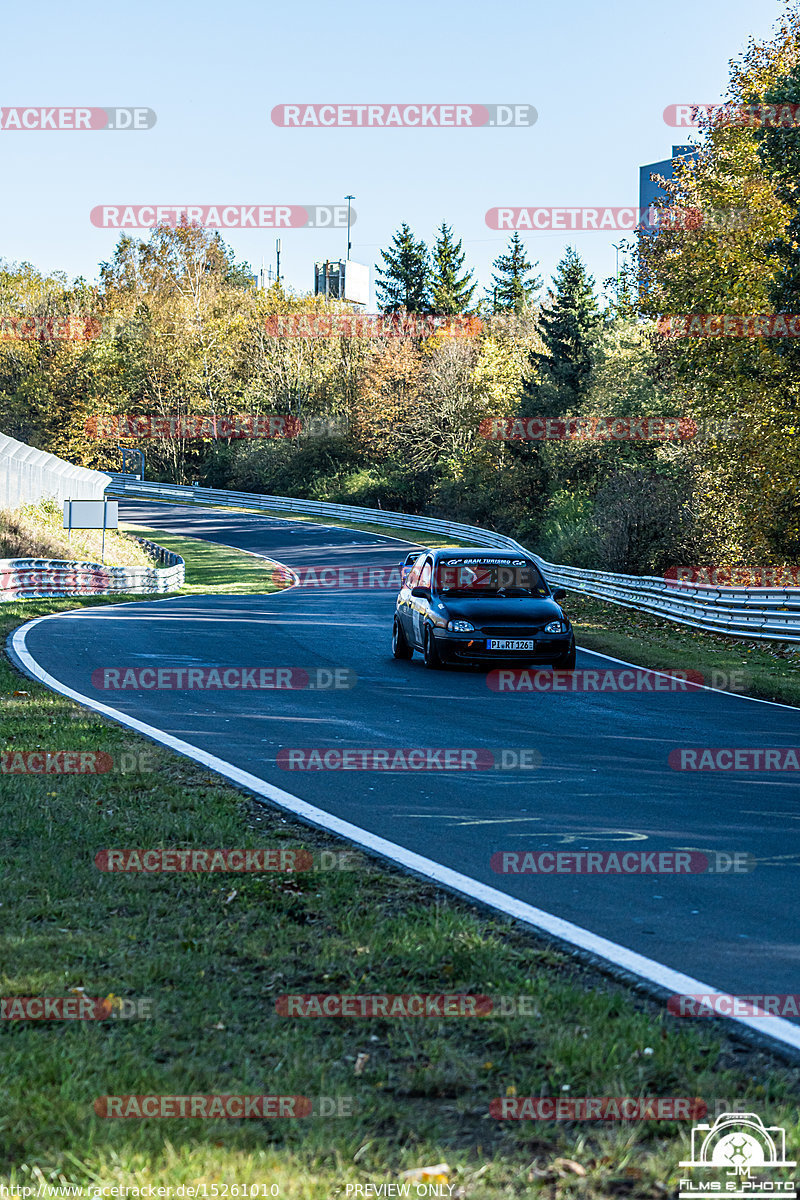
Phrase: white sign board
[356,283]
[91,514]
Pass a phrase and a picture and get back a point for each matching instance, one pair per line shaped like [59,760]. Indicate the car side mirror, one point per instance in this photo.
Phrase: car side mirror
[559,594]
[421,593]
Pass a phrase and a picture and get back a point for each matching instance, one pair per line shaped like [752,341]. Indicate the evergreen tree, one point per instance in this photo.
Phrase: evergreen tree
[405,281]
[513,285]
[569,325]
[451,292]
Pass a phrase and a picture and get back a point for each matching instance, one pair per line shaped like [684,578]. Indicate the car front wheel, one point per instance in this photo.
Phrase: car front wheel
[430,654]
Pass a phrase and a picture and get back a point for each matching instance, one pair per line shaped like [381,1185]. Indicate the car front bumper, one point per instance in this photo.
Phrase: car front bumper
[466,648]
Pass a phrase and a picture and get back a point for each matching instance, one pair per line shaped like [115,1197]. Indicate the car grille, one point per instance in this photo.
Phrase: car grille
[512,631]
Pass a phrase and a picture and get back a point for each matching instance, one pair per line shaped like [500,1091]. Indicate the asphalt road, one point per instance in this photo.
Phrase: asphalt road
[604,782]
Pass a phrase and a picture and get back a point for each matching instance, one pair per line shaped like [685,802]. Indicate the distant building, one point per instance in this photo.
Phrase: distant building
[342,280]
[649,190]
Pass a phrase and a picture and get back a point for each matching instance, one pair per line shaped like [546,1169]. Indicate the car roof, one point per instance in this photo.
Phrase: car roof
[485,553]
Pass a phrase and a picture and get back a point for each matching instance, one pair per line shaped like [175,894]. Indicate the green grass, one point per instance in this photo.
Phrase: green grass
[212,952]
[767,670]
[215,569]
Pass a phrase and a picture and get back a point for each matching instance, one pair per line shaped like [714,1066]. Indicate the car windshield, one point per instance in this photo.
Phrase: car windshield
[473,577]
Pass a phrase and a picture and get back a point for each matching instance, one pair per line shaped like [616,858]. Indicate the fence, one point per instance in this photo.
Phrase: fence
[767,614]
[28,475]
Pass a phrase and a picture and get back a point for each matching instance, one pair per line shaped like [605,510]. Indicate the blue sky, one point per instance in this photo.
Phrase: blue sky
[599,76]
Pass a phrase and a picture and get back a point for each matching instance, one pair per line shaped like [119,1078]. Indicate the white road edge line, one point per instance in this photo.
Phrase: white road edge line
[704,687]
[780,1030]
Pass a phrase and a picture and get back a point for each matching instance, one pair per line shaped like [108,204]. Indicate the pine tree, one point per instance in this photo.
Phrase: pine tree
[569,324]
[451,293]
[405,281]
[513,285]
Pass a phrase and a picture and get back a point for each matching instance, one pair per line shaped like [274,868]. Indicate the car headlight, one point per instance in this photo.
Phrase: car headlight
[556,627]
[460,627]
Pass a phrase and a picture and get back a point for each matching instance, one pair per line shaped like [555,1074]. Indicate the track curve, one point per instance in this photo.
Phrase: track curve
[604,784]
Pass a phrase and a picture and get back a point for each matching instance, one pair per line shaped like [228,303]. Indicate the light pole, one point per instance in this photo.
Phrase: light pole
[348,199]
[617,248]
[278,254]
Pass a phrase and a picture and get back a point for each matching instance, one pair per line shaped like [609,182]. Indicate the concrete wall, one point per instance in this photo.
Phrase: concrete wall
[28,475]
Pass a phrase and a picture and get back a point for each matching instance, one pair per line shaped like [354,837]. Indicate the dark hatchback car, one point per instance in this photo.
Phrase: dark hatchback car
[481,608]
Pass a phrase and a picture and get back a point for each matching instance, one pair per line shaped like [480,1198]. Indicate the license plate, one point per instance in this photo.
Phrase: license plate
[510,644]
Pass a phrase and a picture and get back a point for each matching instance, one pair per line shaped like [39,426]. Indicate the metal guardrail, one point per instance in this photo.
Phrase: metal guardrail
[39,578]
[767,614]
[122,485]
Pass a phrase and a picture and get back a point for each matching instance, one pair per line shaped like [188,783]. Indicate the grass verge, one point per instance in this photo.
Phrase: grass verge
[36,531]
[769,671]
[212,568]
[210,953]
